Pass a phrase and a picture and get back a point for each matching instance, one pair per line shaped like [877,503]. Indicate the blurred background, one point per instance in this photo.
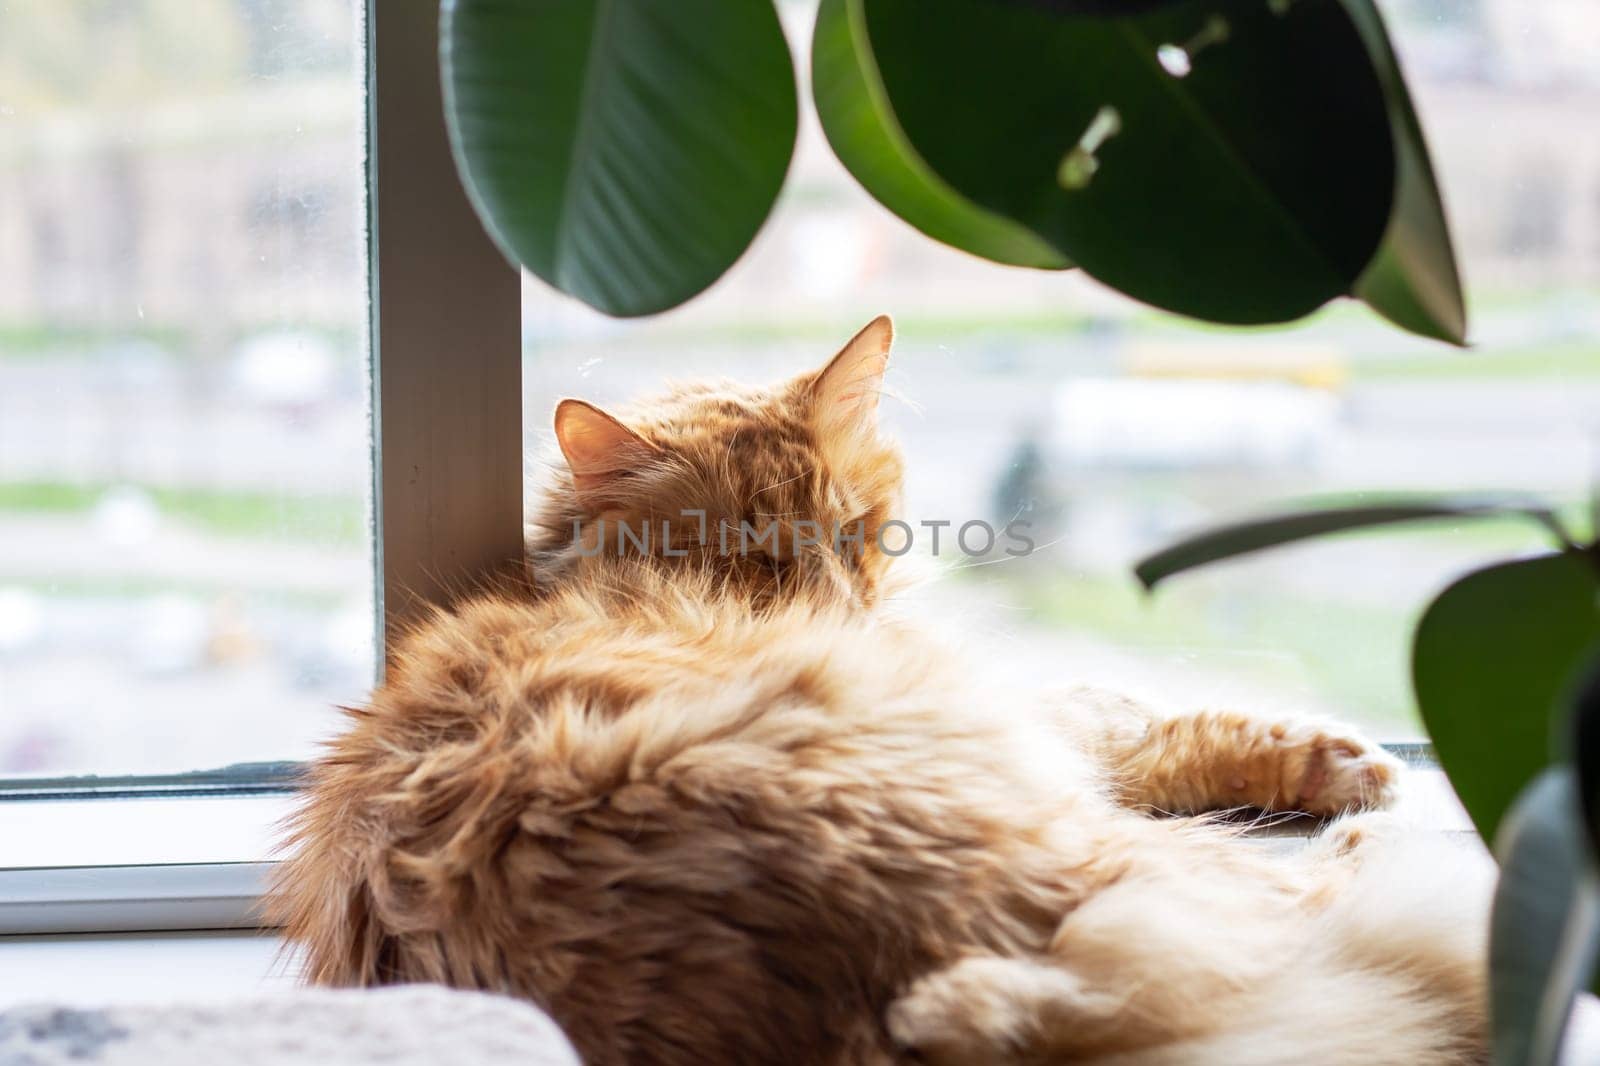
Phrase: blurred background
[185,575]
[185,562]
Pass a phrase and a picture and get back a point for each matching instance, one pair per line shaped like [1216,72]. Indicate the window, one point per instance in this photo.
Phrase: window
[193,566]
[209,507]
[186,578]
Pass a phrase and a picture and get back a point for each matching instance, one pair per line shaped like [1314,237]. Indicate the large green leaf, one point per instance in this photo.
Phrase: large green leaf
[1586,750]
[1242,538]
[1094,7]
[1253,189]
[1545,928]
[1412,281]
[1493,663]
[625,151]
[868,140]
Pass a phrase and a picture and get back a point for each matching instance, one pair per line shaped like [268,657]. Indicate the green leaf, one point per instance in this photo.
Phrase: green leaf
[1413,280]
[1241,538]
[625,151]
[1545,927]
[1094,7]
[868,140]
[1493,661]
[1254,189]
[1586,751]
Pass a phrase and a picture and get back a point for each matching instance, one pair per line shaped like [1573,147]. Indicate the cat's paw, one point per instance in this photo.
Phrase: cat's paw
[1327,773]
[992,1010]
[1356,833]
[958,1016]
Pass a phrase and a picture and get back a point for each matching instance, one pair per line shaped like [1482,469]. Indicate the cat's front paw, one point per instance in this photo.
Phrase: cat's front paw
[1325,772]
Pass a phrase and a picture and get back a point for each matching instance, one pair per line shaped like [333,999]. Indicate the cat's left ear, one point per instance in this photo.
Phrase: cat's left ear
[845,393]
[598,448]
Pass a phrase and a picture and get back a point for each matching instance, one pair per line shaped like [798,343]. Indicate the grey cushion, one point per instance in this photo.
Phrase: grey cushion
[410,1025]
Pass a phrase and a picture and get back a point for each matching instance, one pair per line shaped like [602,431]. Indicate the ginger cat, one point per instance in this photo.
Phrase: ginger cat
[710,806]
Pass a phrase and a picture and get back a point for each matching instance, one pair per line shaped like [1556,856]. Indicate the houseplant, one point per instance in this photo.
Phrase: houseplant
[1240,161]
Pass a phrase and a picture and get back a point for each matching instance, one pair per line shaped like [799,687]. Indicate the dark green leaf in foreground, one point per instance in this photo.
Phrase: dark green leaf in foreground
[1586,750]
[1545,928]
[1226,160]
[625,151]
[1093,7]
[1495,660]
[868,140]
[1412,281]
[1242,538]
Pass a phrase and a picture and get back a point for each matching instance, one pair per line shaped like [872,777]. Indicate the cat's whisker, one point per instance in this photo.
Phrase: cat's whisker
[779,484]
[1007,558]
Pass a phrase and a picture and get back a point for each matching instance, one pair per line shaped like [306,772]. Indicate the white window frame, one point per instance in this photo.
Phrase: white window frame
[445,334]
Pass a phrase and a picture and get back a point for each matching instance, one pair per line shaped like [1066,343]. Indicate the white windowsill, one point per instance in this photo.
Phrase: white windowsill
[101,865]
[118,968]
[140,832]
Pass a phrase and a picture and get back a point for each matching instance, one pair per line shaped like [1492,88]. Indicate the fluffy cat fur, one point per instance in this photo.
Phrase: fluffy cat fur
[729,809]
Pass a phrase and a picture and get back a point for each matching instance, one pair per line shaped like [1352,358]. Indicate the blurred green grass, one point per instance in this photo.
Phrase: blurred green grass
[332,520]
[1351,651]
[1573,359]
[1354,656]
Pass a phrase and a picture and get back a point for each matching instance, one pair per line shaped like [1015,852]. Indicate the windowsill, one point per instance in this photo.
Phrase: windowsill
[140,832]
[125,865]
[101,865]
[117,968]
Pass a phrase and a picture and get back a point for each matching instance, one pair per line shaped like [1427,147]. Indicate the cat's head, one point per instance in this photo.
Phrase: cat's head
[774,493]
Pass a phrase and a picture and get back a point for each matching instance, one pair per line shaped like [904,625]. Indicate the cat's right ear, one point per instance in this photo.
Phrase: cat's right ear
[846,390]
[597,447]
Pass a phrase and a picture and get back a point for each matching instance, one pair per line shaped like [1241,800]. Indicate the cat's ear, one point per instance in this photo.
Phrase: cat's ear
[597,446]
[845,394]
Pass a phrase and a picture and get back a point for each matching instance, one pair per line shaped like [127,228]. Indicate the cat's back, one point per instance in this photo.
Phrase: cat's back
[674,822]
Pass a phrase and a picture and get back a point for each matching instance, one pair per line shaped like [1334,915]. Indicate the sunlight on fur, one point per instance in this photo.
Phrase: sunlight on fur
[707,806]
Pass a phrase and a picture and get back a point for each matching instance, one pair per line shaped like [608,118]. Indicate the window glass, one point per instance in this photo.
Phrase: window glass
[1112,428]
[185,563]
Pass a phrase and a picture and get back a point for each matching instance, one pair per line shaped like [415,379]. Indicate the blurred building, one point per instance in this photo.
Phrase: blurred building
[100,198]
[150,195]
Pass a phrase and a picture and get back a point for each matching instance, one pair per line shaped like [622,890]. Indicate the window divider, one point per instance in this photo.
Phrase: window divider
[446,342]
